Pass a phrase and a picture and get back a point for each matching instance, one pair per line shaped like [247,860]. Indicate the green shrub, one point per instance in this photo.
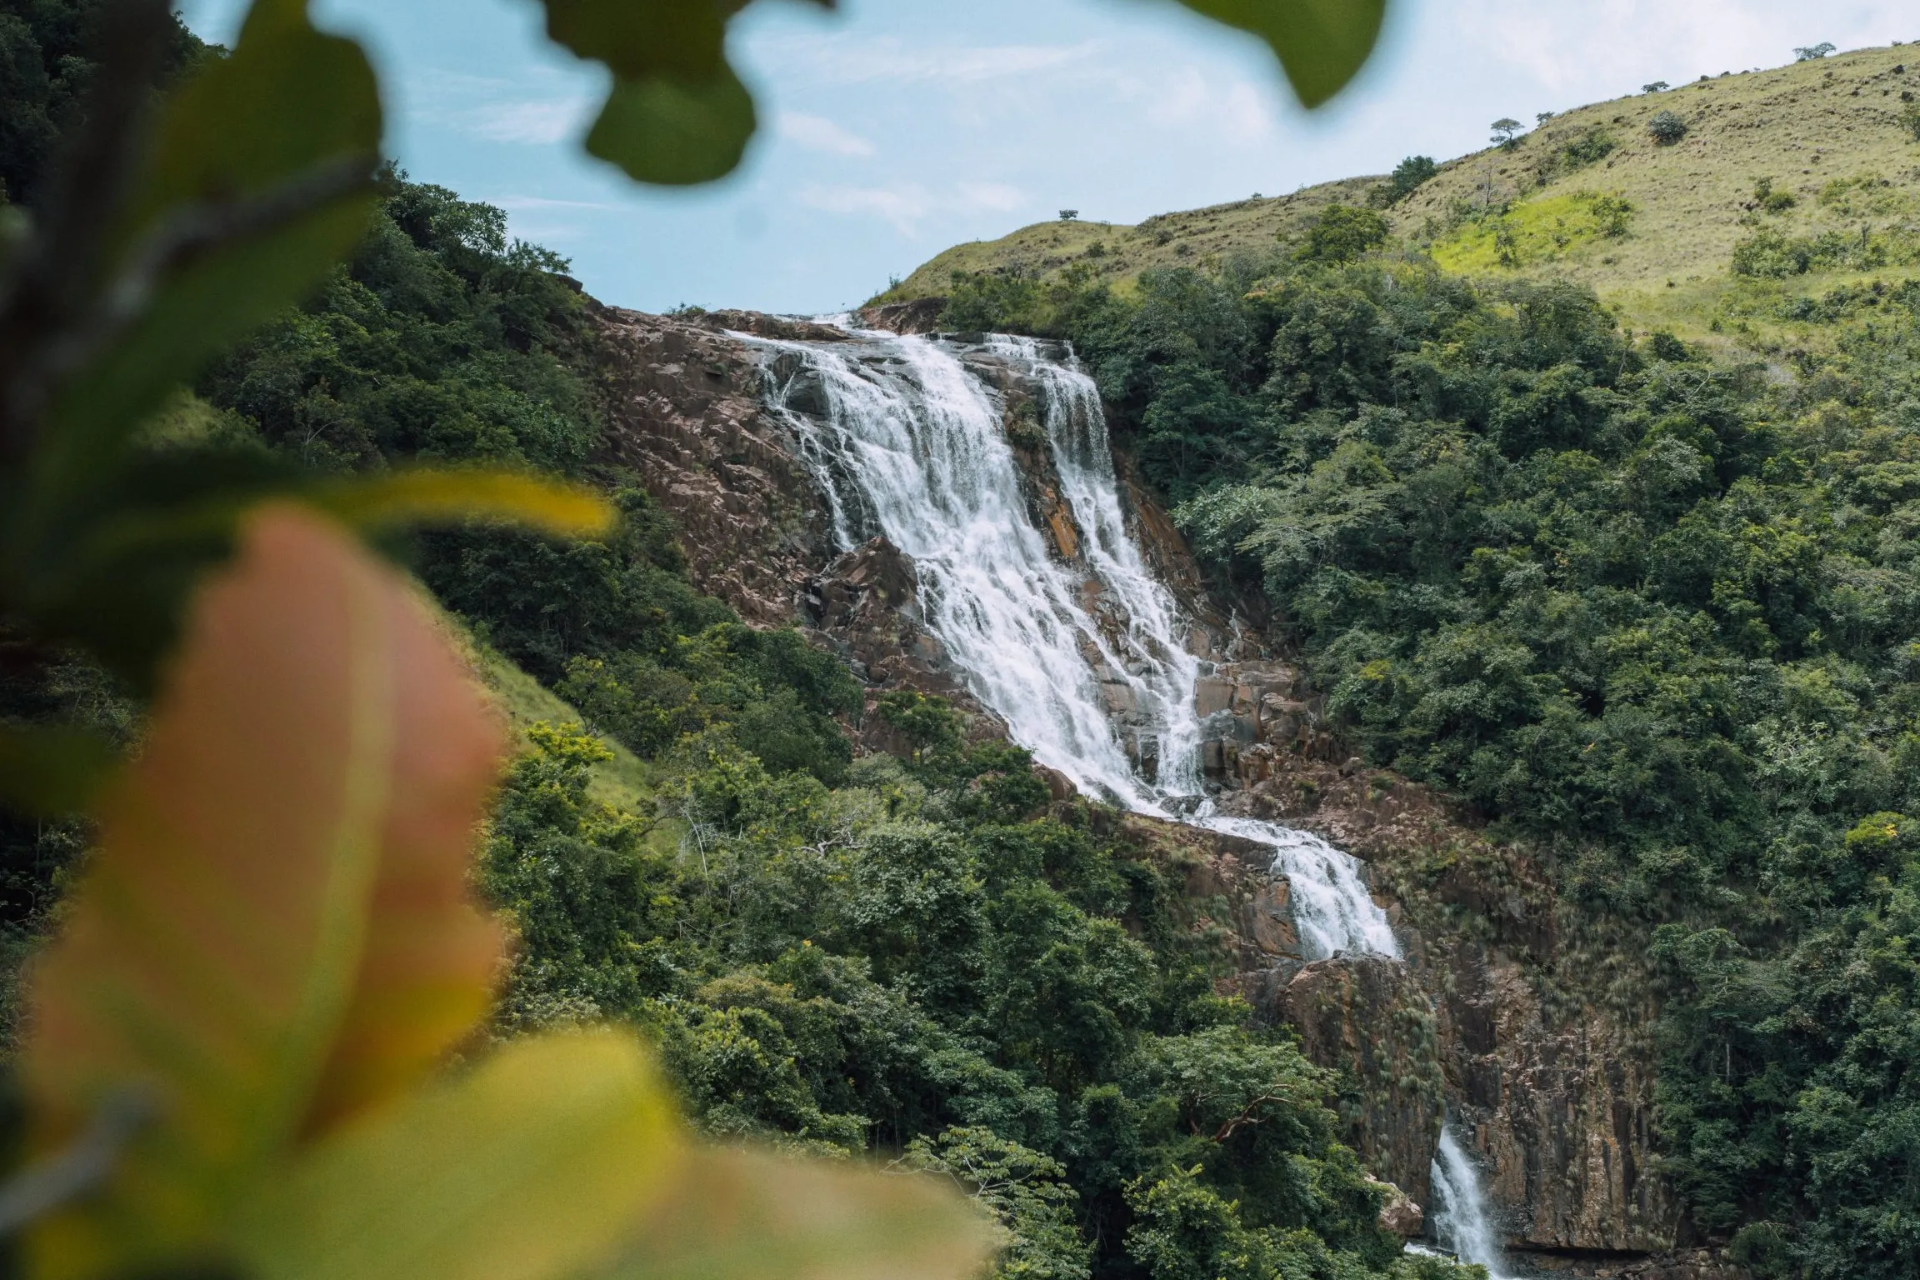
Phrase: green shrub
[1767,199]
[1589,148]
[1667,128]
[1342,233]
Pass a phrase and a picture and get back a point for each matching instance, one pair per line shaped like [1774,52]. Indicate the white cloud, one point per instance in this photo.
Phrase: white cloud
[907,205]
[1596,47]
[537,123]
[517,203]
[1186,98]
[990,197]
[501,110]
[903,206]
[817,133]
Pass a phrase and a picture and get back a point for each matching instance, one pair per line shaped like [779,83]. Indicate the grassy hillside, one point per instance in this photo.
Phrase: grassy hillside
[1828,134]
[1117,253]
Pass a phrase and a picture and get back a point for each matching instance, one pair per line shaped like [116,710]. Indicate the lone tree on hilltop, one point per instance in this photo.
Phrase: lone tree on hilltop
[1667,128]
[1813,52]
[1505,130]
[1658,86]
[1068,215]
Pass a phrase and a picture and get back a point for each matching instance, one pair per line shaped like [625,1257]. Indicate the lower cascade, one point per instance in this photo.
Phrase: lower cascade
[1457,1218]
[907,441]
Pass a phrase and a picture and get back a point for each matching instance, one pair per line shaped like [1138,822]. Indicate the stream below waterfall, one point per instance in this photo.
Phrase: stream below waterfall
[907,441]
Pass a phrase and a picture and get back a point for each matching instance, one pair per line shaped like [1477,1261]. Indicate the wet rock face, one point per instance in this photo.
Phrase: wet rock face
[1559,1107]
[1548,1076]
[684,401]
[864,607]
[1370,1017]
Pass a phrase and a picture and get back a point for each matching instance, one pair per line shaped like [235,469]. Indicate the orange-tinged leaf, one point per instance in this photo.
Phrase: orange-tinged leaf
[533,1166]
[317,755]
[744,1215]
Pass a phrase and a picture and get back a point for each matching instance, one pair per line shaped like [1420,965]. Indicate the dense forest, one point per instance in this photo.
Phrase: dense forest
[1647,611]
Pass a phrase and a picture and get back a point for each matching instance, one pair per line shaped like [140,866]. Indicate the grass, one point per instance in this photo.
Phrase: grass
[1804,127]
[625,782]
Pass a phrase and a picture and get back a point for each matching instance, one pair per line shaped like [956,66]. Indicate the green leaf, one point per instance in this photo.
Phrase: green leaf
[532,1167]
[683,38]
[740,1215]
[147,534]
[51,771]
[288,102]
[676,132]
[1322,43]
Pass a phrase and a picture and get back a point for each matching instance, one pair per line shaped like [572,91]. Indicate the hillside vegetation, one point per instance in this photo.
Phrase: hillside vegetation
[1800,129]
[1646,606]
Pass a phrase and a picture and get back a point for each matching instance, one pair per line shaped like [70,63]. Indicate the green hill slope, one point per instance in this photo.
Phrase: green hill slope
[1828,134]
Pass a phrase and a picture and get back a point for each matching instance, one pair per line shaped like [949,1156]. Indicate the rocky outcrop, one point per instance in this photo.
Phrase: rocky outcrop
[1370,1016]
[922,315]
[1541,1036]
[684,406]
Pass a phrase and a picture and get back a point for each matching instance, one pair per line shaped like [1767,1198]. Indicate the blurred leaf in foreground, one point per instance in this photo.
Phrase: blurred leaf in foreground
[273,953]
[1321,43]
[677,113]
[318,753]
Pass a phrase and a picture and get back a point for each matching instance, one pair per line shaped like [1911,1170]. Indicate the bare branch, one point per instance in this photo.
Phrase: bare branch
[1249,1115]
[53,276]
[80,1169]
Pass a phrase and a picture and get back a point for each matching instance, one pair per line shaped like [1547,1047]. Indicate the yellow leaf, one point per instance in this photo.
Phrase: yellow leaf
[425,495]
[533,1166]
[740,1215]
[316,750]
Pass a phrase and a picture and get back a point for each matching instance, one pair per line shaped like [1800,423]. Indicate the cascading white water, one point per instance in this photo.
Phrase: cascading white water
[1458,1215]
[908,442]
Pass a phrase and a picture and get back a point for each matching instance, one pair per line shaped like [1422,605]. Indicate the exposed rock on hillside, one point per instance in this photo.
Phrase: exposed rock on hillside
[684,402]
[1370,1016]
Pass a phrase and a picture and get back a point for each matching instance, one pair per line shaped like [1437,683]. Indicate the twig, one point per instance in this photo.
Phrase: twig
[80,1169]
[53,275]
[192,234]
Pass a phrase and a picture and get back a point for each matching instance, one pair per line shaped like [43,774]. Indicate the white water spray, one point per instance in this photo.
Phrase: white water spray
[1458,1215]
[908,442]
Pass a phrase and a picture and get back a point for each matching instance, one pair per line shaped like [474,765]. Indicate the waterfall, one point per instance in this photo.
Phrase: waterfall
[1087,663]
[1457,1220]
[907,441]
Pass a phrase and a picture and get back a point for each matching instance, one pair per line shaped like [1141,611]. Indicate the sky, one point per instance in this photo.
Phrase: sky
[892,129]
